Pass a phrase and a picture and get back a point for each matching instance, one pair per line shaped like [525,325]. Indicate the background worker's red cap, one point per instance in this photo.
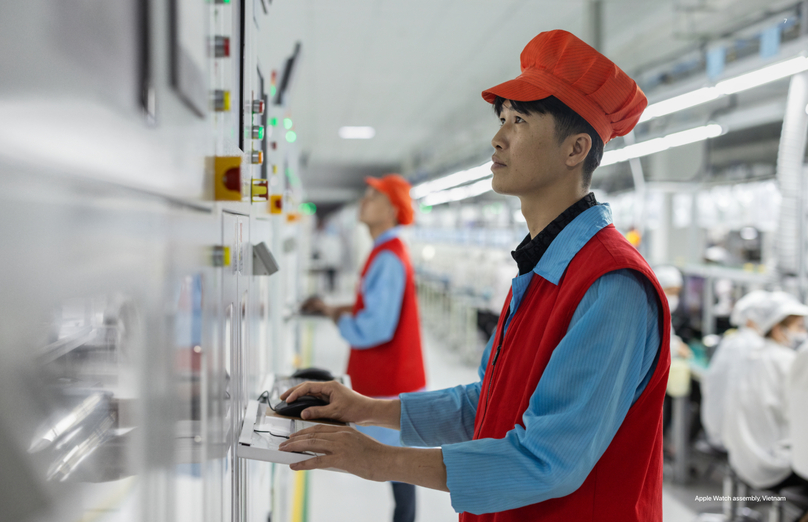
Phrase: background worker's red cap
[397,190]
[557,63]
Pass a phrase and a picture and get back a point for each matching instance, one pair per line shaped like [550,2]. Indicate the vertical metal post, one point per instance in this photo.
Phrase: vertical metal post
[790,175]
[707,318]
[638,176]
[594,18]
[681,429]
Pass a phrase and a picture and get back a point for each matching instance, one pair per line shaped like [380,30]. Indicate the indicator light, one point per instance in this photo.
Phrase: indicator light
[273,121]
[308,209]
[221,46]
[287,123]
[220,256]
[258,106]
[222,1]
[256,157]
[259,190]
[274,145]
[291,137]
[274,169]
[221,100]
[274,77]
[272,91]
[276,204]
[257,132]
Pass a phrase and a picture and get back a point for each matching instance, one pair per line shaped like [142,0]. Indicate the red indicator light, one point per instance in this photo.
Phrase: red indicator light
[258,106]
[221,46]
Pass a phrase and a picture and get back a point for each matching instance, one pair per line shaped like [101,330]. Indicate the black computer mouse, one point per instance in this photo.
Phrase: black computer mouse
[294,409]
[313,374]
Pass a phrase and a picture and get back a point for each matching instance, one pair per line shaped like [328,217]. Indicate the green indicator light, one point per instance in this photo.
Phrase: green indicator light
[273,122]
[425,209]
[291,136]
[287,123]
[308,209]
[260,133]
[272,90]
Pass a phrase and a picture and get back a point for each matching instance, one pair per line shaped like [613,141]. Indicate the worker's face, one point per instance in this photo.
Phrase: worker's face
[528,157]
[375,208]
[791,332]
[672,294]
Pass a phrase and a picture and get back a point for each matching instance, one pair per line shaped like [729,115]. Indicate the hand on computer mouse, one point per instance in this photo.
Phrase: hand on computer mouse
[313,305]
[344,404]
[300,404]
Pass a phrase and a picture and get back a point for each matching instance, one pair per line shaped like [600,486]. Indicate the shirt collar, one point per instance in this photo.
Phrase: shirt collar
[530,251]
[387,235]
[572,239]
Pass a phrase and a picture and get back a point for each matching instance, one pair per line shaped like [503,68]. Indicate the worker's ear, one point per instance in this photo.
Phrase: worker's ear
[392,213]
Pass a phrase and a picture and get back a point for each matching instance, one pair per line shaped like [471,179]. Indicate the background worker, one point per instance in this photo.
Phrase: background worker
[566,420]
[734,346]
[382,325]
[670,279]
[756,428]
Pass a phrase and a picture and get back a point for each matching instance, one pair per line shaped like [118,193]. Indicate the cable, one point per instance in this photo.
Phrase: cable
[267,431]
[287,438]
[264,397]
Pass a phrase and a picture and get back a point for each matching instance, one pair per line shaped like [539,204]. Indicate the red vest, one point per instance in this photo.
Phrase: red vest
[396,366]
[626,483]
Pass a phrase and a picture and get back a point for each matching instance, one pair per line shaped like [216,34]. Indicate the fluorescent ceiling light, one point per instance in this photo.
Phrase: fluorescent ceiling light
[763,76]
[452,180]
[677,139]
[458,193]
[740,83]
[432,195]
[356,133]
[679,103]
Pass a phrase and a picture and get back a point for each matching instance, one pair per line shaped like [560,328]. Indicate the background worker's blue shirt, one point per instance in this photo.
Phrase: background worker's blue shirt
[579,404]
[383,293]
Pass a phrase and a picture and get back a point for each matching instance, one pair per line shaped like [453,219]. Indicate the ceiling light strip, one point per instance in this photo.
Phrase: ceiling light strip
[677,139]
[458,193]
[452,180]
[638,150]
[740,83]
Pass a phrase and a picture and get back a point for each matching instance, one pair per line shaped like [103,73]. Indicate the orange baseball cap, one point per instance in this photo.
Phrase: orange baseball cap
[558,63]
[397,190]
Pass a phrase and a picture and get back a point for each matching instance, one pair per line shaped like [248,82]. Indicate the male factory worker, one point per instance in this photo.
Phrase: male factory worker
[382,325]
[566,421]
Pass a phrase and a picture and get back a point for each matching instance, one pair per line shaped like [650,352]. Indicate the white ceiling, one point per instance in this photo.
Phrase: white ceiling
[414,70]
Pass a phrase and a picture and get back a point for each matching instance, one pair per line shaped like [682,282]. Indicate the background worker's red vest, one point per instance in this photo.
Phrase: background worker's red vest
[396,366]
[626,483]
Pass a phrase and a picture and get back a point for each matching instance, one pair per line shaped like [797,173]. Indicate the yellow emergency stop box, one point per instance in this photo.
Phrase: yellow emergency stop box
[227,178]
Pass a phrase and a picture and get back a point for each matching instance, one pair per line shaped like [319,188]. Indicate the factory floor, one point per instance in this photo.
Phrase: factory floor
[338,497]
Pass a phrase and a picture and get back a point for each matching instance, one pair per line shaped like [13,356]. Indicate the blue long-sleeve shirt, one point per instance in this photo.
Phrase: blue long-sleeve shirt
[578,405]
[383,293]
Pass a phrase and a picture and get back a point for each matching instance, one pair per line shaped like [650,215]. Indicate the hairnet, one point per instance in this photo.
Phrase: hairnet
[775,309]
[668,276]
[748,308]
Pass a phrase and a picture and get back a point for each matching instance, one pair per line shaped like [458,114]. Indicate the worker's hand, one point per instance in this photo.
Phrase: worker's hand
[342,447]
[680,348]
[343,405]
[314,305]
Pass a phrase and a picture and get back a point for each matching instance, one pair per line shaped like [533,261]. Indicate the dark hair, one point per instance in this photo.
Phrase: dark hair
[567,123]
